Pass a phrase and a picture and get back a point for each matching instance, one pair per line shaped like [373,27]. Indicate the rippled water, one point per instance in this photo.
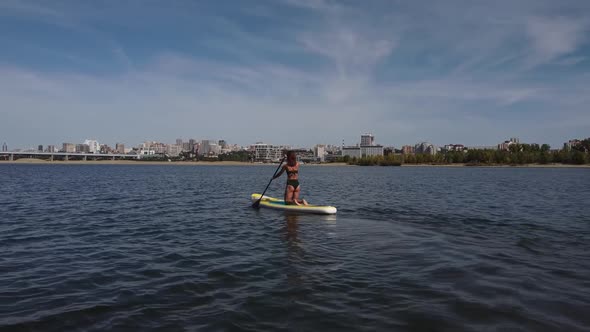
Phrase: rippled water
[178,247]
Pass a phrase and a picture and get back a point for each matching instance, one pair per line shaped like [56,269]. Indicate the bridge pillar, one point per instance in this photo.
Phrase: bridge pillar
[51,158]
[85,158]
[66,158]
[113,158]
[11,157]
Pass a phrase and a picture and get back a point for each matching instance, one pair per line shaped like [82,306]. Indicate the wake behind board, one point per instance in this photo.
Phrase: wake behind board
[279,204]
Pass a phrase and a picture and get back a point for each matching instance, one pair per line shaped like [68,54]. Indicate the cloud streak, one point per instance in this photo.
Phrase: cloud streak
[552,38]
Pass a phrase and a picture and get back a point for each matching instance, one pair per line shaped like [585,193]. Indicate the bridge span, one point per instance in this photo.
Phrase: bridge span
[11,155]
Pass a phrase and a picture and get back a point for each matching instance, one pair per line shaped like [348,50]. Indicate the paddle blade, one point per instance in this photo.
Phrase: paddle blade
[256,204]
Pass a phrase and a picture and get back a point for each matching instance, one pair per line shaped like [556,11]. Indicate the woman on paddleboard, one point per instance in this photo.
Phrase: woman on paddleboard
[293,188]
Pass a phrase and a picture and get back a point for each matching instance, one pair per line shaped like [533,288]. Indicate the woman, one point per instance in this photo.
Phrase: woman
[293,188]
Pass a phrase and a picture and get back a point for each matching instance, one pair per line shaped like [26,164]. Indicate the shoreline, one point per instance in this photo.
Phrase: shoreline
[33,161]
[501,166]
[29,161]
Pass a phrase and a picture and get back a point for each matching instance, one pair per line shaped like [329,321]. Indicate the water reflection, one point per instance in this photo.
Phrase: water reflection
[295,251]
[291,226]
[295,242]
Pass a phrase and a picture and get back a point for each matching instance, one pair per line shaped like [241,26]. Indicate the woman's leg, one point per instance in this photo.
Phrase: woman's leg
[296,197]
[289,194]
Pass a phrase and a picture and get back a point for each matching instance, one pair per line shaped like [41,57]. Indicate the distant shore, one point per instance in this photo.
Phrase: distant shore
[126,162]
[143,162]
[501,166]
[240,163]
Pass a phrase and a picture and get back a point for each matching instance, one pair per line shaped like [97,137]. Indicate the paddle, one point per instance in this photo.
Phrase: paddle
[257,203]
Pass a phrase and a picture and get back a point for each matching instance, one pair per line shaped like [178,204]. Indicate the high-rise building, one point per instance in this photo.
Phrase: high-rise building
[204,150]
[571,144]
[214,149]
[209,148]
[425,148]
[367,140]
[173,150]
[40,148]
[368,147]
[407,149]
[333,149]
[319,152]
[69,148]
[159,148]
[51,149]
[4,147]
[191,145]
[105,149]
[120,148]
[93,146]
[179,141]
[454,147]
[351,151]
[267,152]
[506,144]
[222,143]
[371,150]
[82,148]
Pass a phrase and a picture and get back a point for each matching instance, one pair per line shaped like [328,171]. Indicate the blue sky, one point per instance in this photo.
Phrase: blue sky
[295,72]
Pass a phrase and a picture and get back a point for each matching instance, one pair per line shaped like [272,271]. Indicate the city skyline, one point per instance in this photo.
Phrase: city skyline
[365,139]
[297,72]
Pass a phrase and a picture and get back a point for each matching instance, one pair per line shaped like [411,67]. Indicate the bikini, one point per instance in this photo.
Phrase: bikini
[294,183]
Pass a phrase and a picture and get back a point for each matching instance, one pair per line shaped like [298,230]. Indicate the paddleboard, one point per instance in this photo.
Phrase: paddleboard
[279,204]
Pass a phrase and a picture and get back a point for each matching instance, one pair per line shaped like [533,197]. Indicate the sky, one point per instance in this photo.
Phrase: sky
[294,72]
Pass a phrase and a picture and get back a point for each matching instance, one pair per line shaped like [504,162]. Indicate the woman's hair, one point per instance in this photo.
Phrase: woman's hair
[290,152]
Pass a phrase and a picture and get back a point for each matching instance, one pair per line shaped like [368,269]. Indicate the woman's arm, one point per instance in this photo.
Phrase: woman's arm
[280,173]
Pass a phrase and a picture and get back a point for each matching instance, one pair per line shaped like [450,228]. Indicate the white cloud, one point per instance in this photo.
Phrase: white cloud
[349,49]
[16,7]
[553,37]
[571,60]
[317,5]
[179,96]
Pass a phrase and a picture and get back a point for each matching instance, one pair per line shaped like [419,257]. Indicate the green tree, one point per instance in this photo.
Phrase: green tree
[409,158]
[578,157]
[236,156]
[544,157]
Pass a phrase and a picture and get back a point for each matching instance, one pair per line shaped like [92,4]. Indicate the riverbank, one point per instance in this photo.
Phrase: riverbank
[126,162]
[501,166]
[240,163]
[143,162]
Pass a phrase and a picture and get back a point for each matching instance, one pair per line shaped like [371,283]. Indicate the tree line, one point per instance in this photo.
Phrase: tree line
[518,154]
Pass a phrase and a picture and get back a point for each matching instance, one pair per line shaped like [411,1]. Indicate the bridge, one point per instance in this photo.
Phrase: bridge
[11,155]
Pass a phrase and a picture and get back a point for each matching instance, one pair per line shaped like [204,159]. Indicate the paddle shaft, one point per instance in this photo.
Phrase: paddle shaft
[257,203]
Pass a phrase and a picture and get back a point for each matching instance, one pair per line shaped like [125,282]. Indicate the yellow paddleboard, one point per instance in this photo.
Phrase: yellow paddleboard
[279,204]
